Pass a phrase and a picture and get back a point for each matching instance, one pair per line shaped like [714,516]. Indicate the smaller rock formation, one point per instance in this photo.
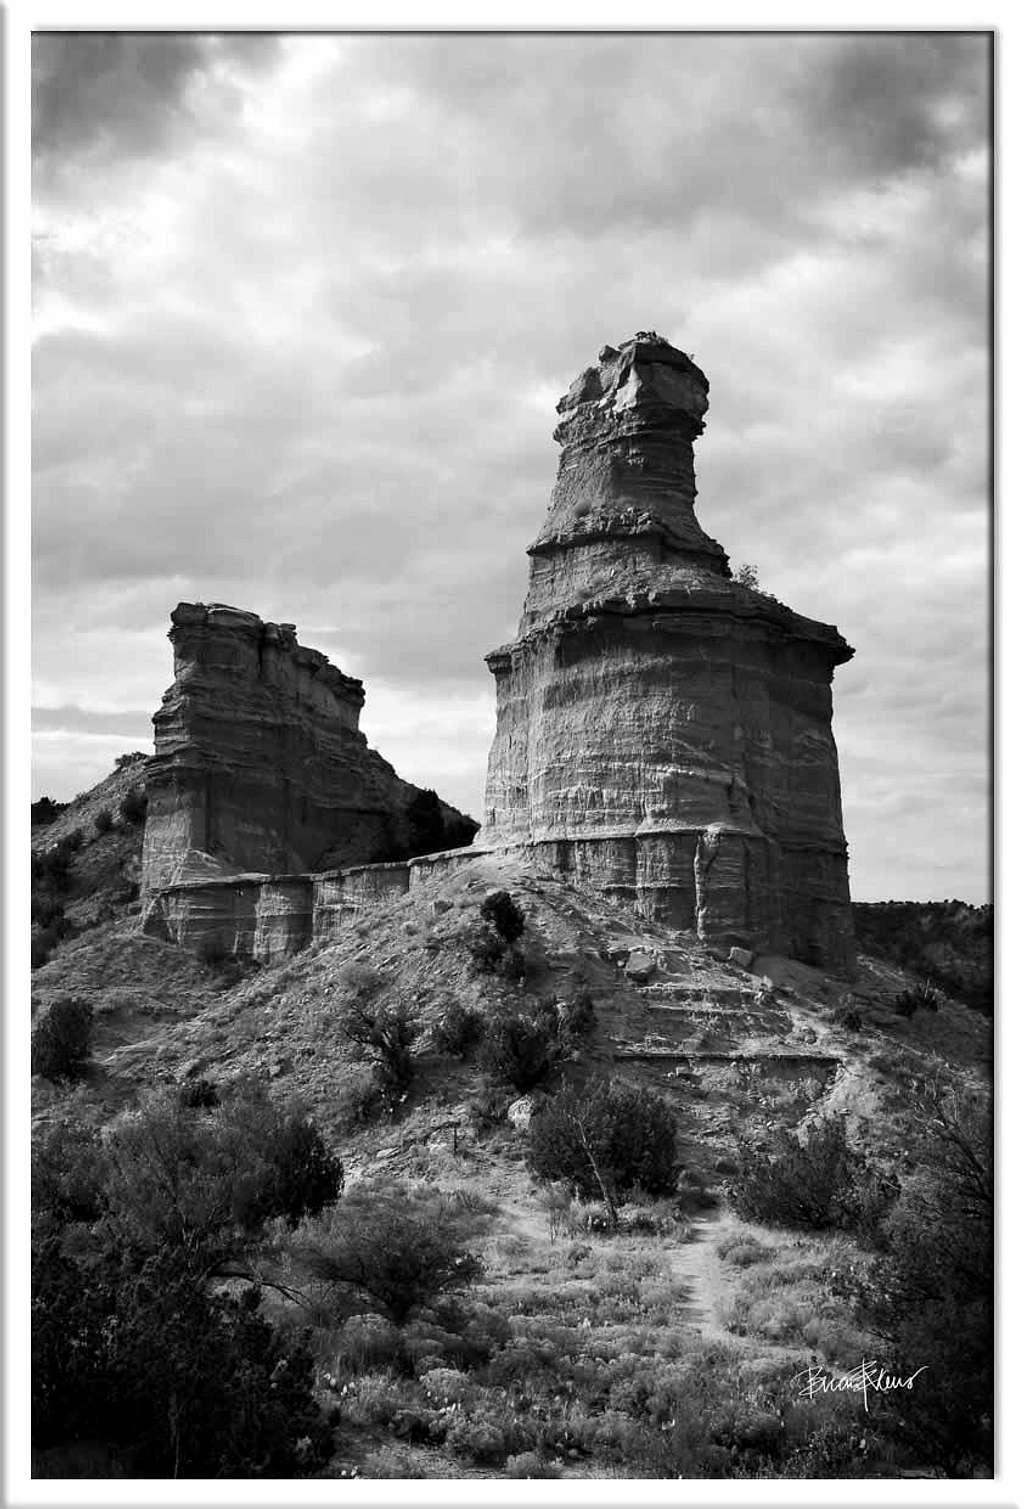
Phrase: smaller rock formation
[260,767]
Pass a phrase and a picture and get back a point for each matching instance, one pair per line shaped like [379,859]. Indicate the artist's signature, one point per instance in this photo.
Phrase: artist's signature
[866,1378]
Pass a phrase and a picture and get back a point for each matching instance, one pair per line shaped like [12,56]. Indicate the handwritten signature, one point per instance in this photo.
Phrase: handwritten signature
[866,1378]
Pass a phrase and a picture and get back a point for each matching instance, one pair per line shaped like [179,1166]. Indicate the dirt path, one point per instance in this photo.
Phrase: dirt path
[696,1263]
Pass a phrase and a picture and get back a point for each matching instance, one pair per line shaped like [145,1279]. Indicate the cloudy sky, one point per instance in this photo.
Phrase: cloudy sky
[304,306]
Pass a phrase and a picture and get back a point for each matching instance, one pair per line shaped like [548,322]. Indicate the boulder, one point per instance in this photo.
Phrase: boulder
[640,967]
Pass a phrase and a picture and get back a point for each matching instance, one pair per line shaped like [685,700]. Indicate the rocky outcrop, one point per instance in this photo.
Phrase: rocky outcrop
[664,732]
[260,767]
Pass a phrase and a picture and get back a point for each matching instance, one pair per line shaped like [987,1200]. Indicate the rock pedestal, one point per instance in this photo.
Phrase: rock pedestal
[664,732]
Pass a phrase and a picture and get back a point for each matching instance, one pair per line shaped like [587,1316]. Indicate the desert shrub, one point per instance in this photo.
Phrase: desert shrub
[393,1461]
[130,1343]
[742,1251]
[103,821]
[198,1095]
[364,1102]
[133,806]
[133,757]
[44,941]
[365,1344]
[68,1172]
[298,1175]
[481,1441]
[821,1183]
[577,1016]
[527,1464]
[45,811]
[605,1140]
[930,1293]
[493,942]
[504,914]
[191,1383]
[387,1032]
[921,997]
[51,868]
[521,1049]
[61,1038]
[207,1181]
[398,1245]
[849,1018]
[458,1030]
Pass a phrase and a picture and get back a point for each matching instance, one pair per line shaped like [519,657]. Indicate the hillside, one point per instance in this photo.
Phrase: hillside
[949,942]
[737,1053]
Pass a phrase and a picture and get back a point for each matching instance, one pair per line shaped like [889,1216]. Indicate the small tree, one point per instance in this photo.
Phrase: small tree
[61,1038]
[820,1183]
[388,1032]
[103,821]
[505,915]
[458,1030]
[133,806]
[521,1050]
[747,576]
[398,1245]
[605,1140]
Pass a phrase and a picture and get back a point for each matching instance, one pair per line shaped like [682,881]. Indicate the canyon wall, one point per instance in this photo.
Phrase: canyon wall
[260,765]
[663,731]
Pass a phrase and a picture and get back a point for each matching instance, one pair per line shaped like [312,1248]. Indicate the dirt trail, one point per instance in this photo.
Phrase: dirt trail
[697,1264]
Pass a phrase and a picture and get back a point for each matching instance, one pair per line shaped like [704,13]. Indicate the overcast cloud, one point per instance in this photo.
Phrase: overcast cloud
[305,306]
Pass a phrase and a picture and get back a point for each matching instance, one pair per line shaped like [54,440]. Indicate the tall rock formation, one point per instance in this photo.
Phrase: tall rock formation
[260,765]
[664,732]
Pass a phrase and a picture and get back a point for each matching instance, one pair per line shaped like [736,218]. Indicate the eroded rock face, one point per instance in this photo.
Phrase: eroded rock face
[260,767]
[664,732]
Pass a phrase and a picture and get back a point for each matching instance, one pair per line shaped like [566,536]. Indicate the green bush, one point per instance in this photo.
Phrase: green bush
[458,1030]
[820,1183]
[505,915]
[208,1180]
[103,821]
[45,811]
[189,1383]
[930,1293]
[61,1038]
[605,1140]
[398,1245]
[133,806]
[915,998]
[577,1016]
[521,1050]
[198,1095]
[388,1032]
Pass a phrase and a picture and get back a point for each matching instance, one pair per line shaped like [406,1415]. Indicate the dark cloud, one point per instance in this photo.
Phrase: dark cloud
[101,93]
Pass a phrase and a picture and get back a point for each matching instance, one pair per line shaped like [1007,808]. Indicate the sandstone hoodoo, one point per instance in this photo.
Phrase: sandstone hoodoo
[261,773]
[664,732]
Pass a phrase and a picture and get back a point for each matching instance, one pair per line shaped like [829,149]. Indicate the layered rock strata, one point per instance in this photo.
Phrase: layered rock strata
[664,732]
[268,917]
[260,767]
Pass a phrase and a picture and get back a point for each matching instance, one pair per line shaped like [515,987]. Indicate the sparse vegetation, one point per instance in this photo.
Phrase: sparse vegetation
[61,1038]
[209,1300]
